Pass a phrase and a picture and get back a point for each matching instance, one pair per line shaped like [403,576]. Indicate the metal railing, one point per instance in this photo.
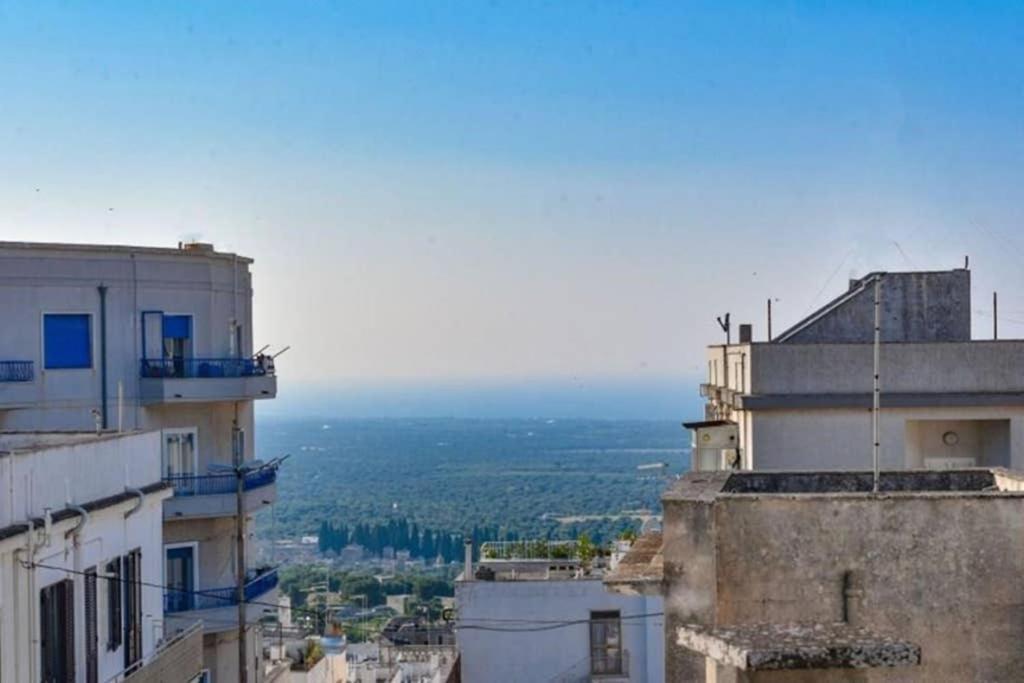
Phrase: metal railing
[190,368]
[16,371]
[529,550]
[610,664]
[182,601]
[162,647]
[215,484]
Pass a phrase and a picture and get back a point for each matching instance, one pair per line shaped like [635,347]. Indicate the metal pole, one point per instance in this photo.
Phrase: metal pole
[995,316]
[769,319]
[875,405]
[243,668]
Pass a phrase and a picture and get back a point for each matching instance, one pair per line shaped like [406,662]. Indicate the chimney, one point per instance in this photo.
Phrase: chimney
[468,574]
[746,333]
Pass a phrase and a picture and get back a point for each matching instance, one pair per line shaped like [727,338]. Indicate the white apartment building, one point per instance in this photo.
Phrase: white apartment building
[125,338]
[803,399]
[81,561]
[534,611]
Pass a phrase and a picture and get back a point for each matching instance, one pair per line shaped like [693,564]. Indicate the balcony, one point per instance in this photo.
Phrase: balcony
[17,388]
[218,607]
[197,380]
[214,495]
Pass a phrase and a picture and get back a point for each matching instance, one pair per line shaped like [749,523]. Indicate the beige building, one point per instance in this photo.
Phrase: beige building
[118,338]
[803,400]
[788,576]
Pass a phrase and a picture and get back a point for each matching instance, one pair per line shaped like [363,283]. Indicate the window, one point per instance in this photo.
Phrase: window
[67,341]
[179,577]
[91,648]
[606,643]
[131,576]
[57,632]
[114,632]
[179,454]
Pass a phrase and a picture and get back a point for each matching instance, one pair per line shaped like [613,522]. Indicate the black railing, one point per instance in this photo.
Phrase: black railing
[200,367]
[16,371]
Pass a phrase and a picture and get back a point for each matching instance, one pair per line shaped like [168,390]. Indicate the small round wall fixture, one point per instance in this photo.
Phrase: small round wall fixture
[951,438]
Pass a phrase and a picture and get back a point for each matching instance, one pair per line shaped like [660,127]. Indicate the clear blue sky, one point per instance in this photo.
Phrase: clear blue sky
[486,194]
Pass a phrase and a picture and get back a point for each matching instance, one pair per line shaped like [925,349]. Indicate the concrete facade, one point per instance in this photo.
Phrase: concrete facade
[917,307]
[130,382]
[804,399]
[933,560]
[116,481]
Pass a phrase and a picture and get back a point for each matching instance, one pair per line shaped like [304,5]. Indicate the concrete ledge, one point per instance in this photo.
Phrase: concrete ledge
[641,570]
[775,647]
[887,400]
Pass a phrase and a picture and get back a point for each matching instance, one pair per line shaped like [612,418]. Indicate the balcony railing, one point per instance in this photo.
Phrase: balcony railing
[16,371]
[529,550]
[216,484]
[183,601]
[190,368]
[609,664]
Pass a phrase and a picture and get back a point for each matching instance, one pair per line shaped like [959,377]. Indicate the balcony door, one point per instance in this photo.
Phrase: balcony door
[177,344]
[180,458]
[180,576]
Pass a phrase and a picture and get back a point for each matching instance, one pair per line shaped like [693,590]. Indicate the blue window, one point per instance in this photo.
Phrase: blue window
[67,341]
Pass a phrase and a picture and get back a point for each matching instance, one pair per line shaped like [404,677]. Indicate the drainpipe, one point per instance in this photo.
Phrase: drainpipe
[102,289]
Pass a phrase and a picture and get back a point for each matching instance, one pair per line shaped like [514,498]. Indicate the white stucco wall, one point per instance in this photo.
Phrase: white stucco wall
[107,535]
[532,656]
[841,438]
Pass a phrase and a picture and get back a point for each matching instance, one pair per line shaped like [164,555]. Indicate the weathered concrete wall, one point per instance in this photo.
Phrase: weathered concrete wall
[916,307]
[689,577]
[940,570]
[980,366]
[179,661]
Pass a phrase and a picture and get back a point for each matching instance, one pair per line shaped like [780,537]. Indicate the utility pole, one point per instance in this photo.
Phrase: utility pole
[876,402]
[239,456]
[769,318]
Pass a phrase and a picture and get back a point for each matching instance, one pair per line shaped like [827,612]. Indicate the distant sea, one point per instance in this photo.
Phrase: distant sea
[453,474]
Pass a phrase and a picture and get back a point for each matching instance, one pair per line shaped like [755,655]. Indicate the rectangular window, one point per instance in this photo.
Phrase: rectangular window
[67,341]
[606,644]
[131,579]
[114,629]
[57,632]
[92,674]
[179,454]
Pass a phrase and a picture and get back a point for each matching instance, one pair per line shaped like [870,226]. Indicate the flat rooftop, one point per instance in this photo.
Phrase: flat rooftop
[186,249]
[995,481]
[28,442]
[774,647]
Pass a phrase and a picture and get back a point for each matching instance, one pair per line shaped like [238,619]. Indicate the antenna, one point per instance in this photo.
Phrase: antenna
[726,327]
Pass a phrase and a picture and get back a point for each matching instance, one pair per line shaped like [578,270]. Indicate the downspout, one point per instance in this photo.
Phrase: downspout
[141,496]
[102,289]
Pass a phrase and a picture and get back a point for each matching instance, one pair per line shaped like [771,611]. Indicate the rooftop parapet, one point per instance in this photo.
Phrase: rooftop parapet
[775,647]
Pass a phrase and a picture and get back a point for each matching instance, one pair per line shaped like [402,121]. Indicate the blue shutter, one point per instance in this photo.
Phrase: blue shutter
[67,341]
[177,327]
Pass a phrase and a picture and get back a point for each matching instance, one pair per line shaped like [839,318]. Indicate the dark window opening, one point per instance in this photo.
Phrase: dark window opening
[57,632]
[114,631]
[132,581]
[606,644]
[92,674]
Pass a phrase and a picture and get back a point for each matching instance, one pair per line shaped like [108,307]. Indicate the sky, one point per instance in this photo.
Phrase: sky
[523,207]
